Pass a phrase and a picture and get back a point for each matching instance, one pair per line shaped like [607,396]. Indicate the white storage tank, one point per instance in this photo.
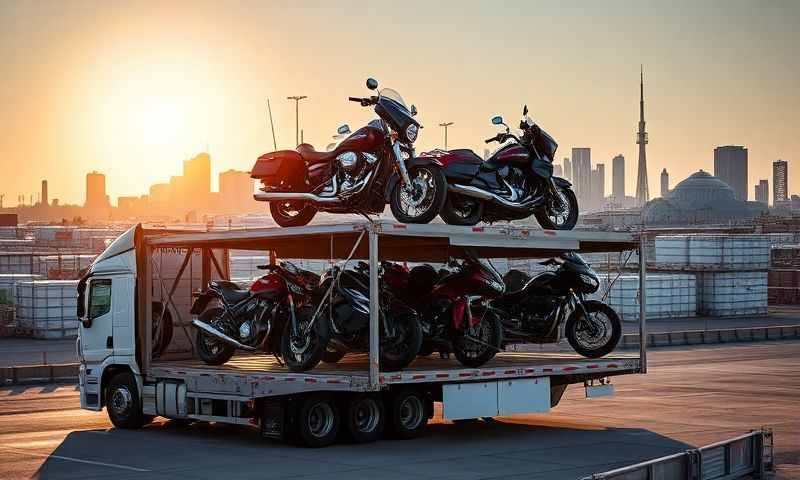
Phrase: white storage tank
[732,293]
[725,251]
[48,308]
[54,266]
[668,295]
[8,285]
[17,262]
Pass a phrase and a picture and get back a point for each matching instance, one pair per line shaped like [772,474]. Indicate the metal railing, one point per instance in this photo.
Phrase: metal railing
[749,454]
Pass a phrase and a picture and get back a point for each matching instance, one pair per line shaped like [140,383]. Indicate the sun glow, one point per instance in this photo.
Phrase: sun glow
[160,122]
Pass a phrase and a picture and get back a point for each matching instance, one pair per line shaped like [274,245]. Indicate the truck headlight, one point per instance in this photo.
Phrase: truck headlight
[411,132]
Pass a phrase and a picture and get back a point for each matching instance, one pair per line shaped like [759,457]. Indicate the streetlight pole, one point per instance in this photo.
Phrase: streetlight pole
[296,99]
[445,125]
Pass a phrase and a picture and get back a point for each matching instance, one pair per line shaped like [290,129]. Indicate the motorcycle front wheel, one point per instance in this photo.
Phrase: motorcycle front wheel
[474,346]
[291,213]
[421,201]
[304,351]
[566,218]
[398,352]
[596,336]
[211,350]
[461,210]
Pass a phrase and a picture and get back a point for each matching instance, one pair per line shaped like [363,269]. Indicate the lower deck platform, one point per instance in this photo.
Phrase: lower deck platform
[254,375]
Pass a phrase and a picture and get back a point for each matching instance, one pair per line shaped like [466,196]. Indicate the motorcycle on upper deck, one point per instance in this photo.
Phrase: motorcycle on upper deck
[514,183]
[372,166]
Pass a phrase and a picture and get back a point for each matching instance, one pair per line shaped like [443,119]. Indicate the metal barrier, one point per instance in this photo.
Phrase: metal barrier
[749,454]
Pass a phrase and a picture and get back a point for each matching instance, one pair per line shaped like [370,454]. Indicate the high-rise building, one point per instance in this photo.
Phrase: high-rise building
[618,178]
[598,186]
[235,192]
[567,169]
[197,174]
[664,183]
[780,182]
[558,171]
[642,190]
[582,174]
[730,166]
[44,200]
[762,192]
[97,204]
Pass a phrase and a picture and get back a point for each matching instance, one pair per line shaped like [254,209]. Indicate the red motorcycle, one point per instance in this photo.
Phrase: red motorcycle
[369,168]
[272,315]
[452,307]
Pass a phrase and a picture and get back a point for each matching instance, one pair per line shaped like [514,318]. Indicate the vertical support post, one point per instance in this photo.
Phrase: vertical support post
[148,308]
[205,274]
[643,301]
[374,310]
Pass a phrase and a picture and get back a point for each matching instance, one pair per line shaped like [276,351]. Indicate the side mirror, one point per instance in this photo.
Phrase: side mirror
[413,110]
[372,84]
[524,110]
[498,120]
[343,130]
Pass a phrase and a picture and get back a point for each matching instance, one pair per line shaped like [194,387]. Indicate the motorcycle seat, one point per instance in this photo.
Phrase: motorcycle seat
[230,291]
[538,281]
[312,156]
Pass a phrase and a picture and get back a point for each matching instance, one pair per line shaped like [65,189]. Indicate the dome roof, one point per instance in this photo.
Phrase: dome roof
[701,188]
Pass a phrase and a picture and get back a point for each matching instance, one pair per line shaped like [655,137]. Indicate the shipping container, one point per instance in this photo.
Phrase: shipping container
[737,252]
[47,308]
[732,293]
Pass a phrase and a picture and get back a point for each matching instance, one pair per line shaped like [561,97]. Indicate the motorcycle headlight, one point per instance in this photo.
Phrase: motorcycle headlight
[497,286]
[411,132]
[590,282]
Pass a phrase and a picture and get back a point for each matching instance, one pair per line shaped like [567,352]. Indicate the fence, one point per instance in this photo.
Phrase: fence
[747,455]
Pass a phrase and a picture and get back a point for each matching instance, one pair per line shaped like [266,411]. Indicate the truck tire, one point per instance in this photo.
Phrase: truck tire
[316,421]
[408,413]
[123,404]
[363,417]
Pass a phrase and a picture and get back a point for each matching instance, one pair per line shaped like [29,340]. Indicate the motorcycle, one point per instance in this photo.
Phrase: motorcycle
[271,315]
[344,303]
[369,168]
[552,305]
[453,308]
[513,183]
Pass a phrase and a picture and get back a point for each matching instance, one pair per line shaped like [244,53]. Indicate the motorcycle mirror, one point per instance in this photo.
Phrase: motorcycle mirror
[524,110]
[343,130]
[498,120]
[413,110]
[372,84]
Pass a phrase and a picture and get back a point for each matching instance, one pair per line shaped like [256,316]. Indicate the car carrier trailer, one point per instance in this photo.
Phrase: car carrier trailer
[129,285]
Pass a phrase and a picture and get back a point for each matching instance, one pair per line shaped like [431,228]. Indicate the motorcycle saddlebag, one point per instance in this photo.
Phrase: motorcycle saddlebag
[284,170]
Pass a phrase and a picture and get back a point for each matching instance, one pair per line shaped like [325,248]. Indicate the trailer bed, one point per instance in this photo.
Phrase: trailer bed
[255,375]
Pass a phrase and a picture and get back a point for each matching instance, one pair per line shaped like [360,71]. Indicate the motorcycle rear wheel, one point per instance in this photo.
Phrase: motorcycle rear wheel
[305,352]
[474,354]
[291,213]
[428,183]
[566,220]
[461,210]
[399,353]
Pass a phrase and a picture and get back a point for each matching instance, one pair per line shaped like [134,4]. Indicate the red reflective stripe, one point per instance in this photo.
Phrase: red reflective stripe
[549,232]
[529,370]
[477,229]
[442,375]
[417,377]
[290,379]
[311,380]
[510,372]
[488,373]
[334,381]
[465,374]
[569,369]
[592,366]
[399,225]
[612,365]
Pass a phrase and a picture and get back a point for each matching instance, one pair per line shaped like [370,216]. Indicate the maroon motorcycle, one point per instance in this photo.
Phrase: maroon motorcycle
[453,307]
[369,168]
[272,315]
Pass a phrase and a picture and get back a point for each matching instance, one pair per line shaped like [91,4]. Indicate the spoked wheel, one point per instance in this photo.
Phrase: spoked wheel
[421,201]
[596,336]
[364,417]
[476,345]
[212,351]
[461,210]
[560,217]
[304,349]
[291,213]
[400,350]
[408,413]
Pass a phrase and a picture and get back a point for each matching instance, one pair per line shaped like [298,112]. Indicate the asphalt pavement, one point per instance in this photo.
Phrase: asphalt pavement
[691,396]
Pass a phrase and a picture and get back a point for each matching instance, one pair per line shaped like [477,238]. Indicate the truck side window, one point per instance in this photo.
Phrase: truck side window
[99,297]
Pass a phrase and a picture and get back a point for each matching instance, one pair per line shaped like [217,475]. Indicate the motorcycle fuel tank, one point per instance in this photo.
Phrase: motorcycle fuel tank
[366,139]
[269,286]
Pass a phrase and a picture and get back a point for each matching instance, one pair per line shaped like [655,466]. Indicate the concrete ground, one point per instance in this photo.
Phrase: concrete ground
[691,396]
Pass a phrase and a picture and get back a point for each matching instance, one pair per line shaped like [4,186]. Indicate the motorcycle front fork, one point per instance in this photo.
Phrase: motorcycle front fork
[401,164]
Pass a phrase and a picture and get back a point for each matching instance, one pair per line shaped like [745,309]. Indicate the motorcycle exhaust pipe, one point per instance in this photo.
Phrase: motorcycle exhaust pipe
[491,197]
[309,197]
[216,333]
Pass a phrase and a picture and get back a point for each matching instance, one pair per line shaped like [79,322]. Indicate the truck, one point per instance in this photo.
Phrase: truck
[138,361]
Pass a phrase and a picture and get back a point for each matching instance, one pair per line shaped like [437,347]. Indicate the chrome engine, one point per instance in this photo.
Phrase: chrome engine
[353,170]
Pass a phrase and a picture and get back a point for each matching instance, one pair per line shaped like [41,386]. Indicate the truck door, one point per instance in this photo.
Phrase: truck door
[97,327]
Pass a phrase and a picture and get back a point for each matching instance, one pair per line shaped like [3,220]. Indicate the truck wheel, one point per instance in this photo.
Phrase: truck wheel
[408,413]
[123,404]
[364,417]
[317,420]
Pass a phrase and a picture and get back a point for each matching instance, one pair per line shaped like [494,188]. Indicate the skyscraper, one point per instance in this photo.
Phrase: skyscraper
[44,201]
[730,166]
[762,192]
[197,175]
[558,171]
[664,183]
[236,192]
[780,182]
[642,191]
[598,185]
[618,178]
[97,204]
[582,174]
[567,169]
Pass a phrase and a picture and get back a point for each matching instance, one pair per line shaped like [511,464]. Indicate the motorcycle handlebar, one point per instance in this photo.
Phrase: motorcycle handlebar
[490,140]
[355,99]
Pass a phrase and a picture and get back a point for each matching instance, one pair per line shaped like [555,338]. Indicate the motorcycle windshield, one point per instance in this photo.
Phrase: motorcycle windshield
[392,94]
[576,263]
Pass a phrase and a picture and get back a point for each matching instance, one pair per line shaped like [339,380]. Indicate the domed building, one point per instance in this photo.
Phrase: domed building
[700,199]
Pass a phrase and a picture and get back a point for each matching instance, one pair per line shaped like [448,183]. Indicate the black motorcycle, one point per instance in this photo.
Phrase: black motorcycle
[343,298]
[535,309]
[370,167]
[514,183]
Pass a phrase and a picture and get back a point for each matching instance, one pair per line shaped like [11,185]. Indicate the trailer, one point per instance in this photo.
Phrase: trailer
[126,289]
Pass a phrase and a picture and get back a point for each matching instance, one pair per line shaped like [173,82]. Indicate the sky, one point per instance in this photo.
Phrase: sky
[131,89]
